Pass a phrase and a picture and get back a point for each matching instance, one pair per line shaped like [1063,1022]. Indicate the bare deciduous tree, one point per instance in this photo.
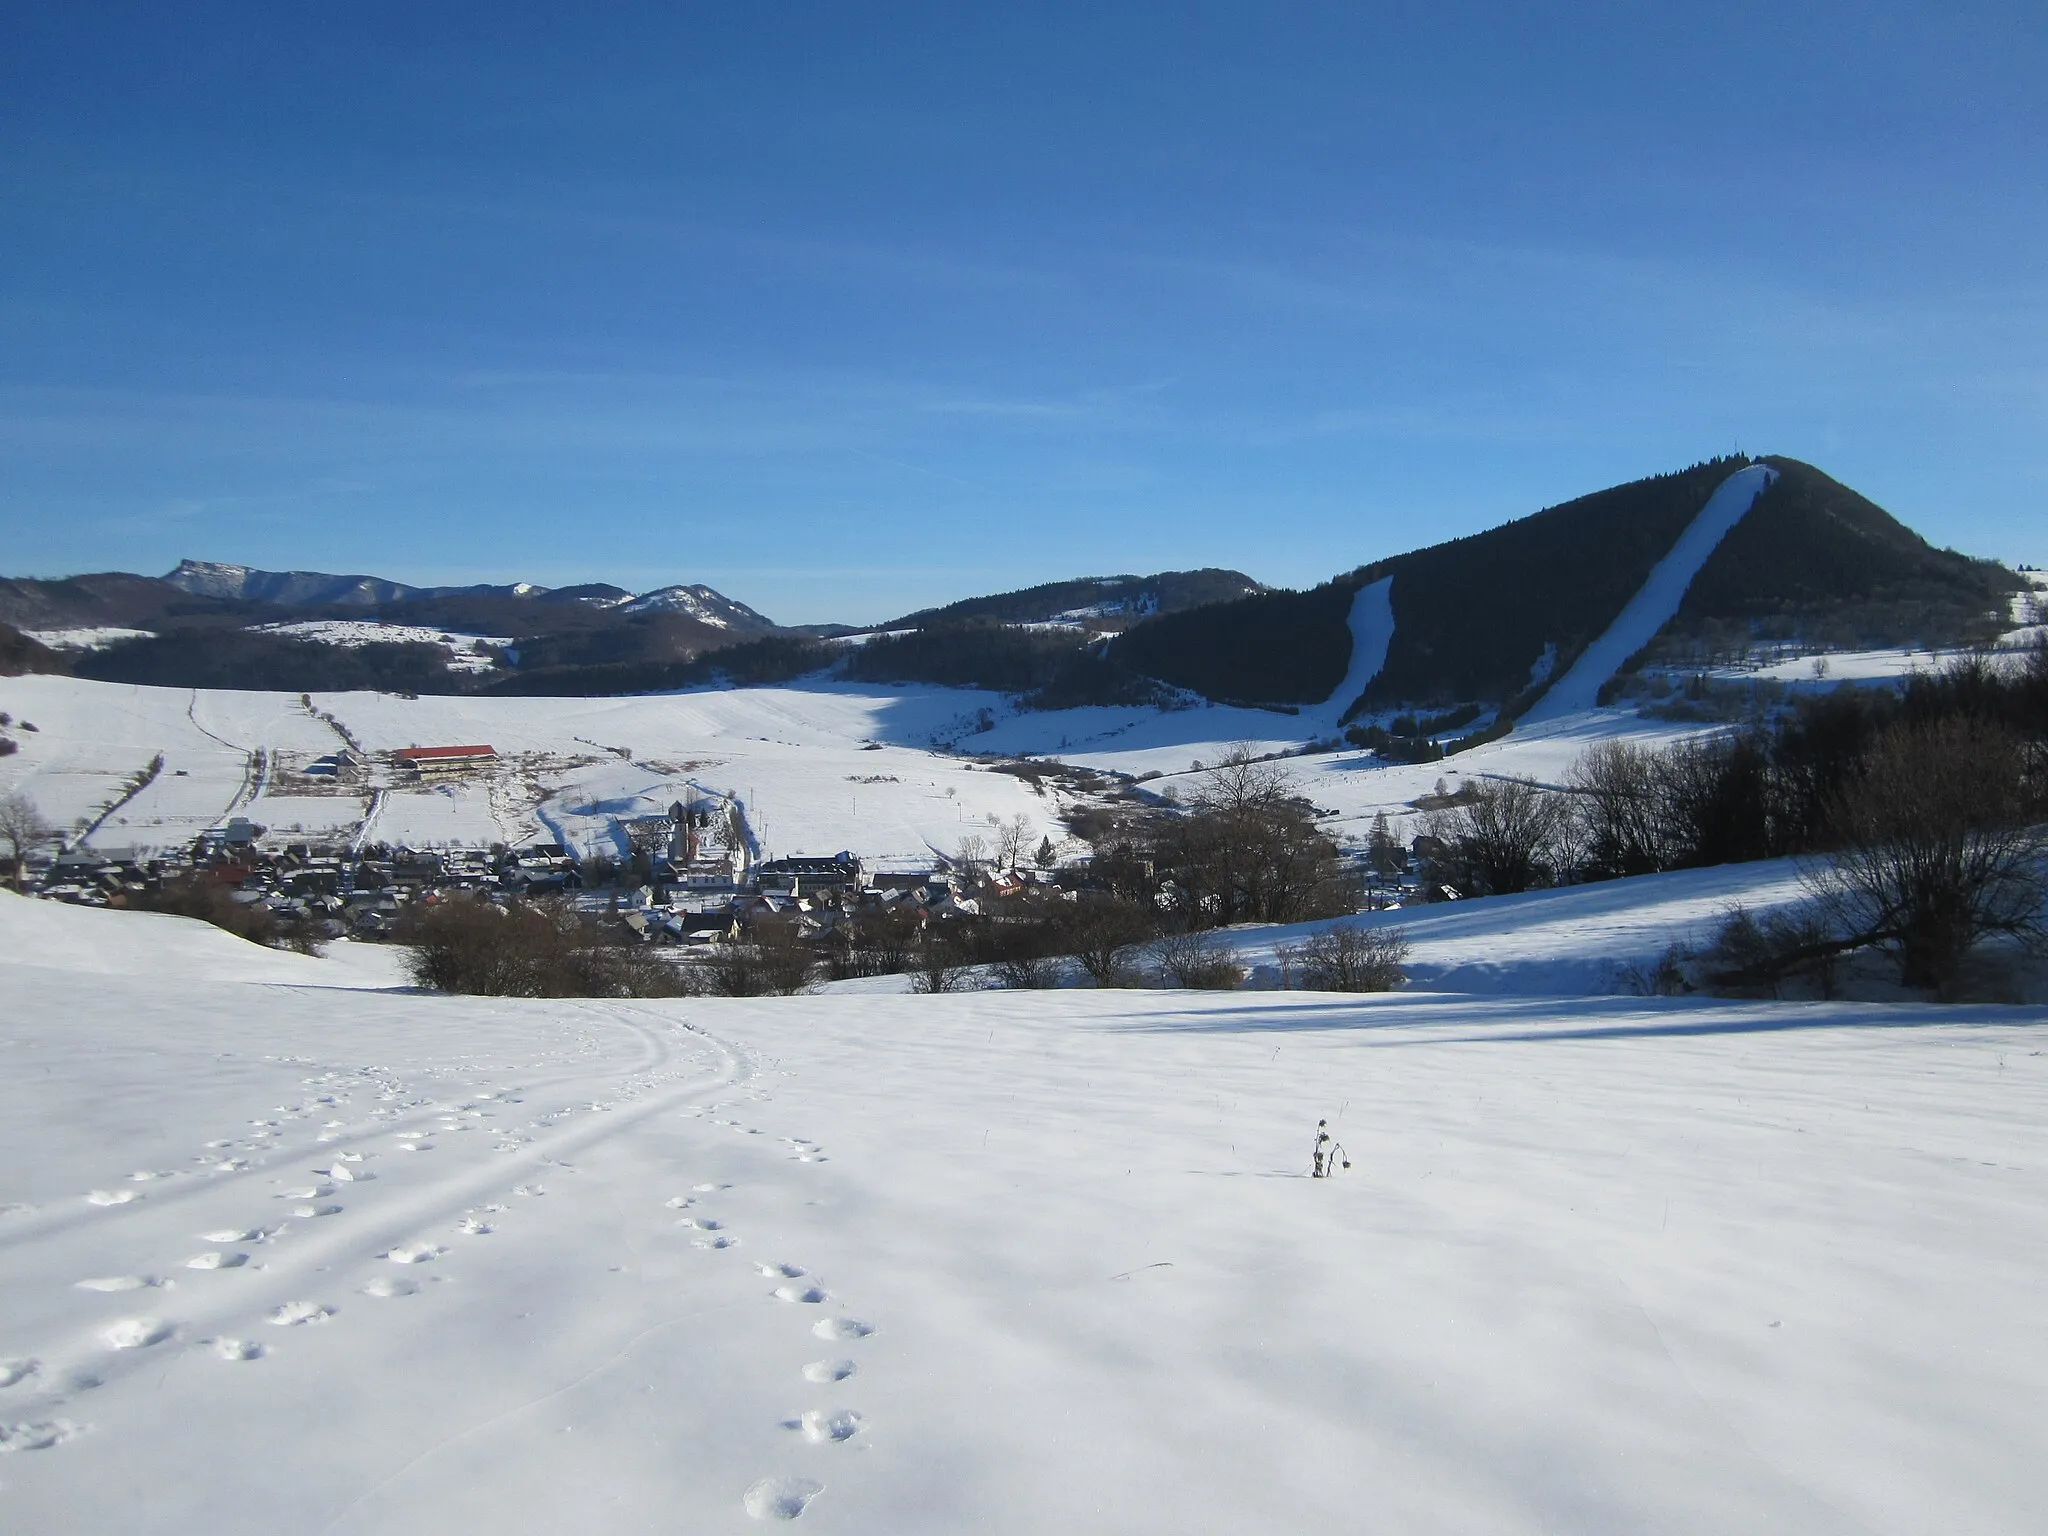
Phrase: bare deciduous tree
[1616,804]
[1502,836]
[1942,845]
[21,828]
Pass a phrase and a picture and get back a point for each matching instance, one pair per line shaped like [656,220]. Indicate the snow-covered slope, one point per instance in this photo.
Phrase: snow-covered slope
[1656,601]
[1372,631]
[701,603]
[293,1256]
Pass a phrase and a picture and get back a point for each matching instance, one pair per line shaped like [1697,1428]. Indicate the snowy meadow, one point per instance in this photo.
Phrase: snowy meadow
[286,1246]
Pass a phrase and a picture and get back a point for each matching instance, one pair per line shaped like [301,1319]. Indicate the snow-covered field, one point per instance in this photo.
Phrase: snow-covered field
[285,1249]
[818,769]
[465,651]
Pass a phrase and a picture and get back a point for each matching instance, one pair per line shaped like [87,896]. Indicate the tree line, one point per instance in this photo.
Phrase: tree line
[1920,812]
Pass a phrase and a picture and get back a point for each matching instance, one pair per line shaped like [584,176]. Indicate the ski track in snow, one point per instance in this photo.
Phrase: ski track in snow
[297,1255]
[373,1187]
[1657,600]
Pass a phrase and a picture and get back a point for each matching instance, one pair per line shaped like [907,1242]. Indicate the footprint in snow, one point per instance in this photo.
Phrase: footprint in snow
[37,1437]
[136,1333]
[217,1260]
[386,1287]
[474,1227]
[294,1314]
[782,1271]
[111,1196]
[842,1329]
[780,1498]
[707,1189]
[702,1223]
[415,1253]
[311,1211]
[825,1372]
[305,1192]
[715,1240]
[822,1427]
[808,1294]
[528,1189]
[235,1235]
[240,1349]
[122,1283]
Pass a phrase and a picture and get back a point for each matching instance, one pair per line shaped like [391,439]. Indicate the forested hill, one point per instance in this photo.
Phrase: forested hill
[1099,603]
[1485,617]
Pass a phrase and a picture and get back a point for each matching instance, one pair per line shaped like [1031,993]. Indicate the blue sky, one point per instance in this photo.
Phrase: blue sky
[850,309]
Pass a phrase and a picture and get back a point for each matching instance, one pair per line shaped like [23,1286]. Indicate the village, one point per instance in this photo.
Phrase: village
[690,880]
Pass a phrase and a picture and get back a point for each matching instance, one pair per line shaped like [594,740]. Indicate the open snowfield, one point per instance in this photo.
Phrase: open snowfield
[817,767]
[285,1252]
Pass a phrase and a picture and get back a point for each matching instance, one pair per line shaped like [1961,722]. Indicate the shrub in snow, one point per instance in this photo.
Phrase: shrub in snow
[937,966]
[1343,958]
[529,949]
[773,960]
[208,900]
[1196,961]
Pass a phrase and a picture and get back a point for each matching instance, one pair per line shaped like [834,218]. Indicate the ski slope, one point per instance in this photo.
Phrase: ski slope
[1656,602]
[280,1251]
[1372,630]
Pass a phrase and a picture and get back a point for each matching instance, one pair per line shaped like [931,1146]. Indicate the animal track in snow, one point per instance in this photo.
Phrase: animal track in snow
[386,1287]
[707,1189]
[810,1294]
[842,1328]
[825,1372]
[293,1314]
[528,1189]
[136,1333]
[702,1223]
[121,1283]
[780,1498]
[414,1253]
[235,1235]
[12,1371]
[36,1437]
[783,1271]
[305,1192]
[111,1196]
[311,1211]
[474,1227]
[715,1240]
[822,1428]
[240,1349]
[217,1260]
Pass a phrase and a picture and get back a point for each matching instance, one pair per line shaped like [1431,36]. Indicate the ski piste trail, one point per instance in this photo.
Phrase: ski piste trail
[1656,601]
[1372,631]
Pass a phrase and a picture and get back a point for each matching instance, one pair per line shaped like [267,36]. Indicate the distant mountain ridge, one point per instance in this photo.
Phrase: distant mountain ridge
[1102,603]
[1470,625]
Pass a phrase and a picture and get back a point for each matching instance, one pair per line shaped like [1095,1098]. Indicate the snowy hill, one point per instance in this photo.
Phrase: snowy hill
[700,603]
[290,1250]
